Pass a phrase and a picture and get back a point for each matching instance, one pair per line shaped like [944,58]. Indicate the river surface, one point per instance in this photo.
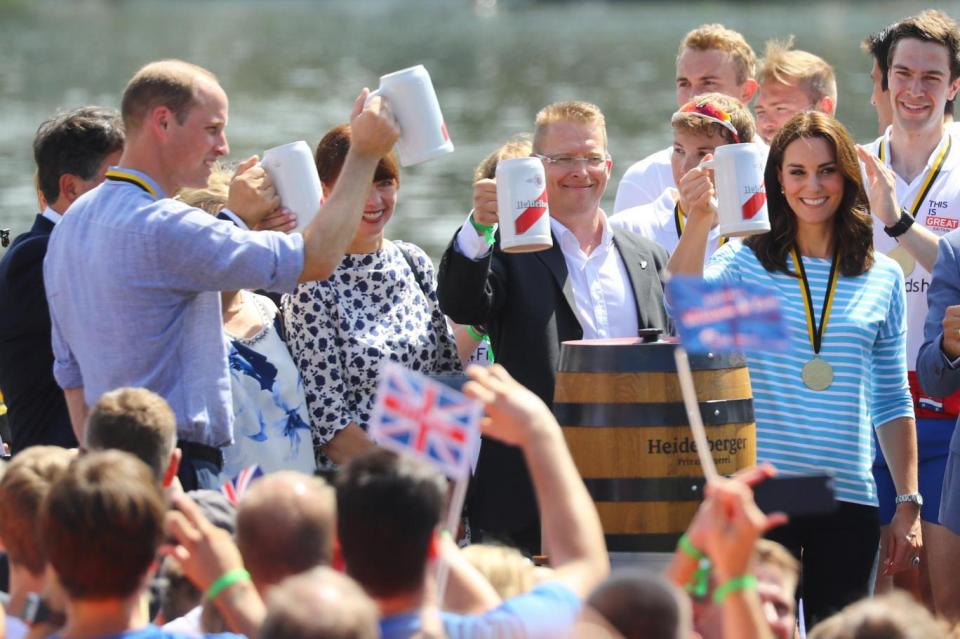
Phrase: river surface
[292,69]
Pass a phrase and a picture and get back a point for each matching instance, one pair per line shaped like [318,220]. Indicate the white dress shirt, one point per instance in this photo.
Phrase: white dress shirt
[603,298]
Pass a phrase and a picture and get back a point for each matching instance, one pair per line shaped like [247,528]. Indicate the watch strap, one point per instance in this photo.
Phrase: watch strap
[905,222]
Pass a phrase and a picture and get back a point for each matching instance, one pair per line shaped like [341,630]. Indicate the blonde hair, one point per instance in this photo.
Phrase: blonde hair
[569,111]
[518,146]
[213,197]
[740,118]
[894,615]
[708,37]
[507,570]
[783,64]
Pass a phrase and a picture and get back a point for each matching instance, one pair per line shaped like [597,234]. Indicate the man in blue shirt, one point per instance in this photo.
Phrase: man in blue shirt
[133,276]
[72,151]
[389,510]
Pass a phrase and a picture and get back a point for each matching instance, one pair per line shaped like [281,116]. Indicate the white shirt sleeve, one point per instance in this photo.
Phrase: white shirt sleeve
[470,243]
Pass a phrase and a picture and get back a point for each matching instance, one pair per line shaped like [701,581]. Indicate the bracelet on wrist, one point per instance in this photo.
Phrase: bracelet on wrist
[743,582]
[474,333]
[686,546]
[484,230]
[226,580]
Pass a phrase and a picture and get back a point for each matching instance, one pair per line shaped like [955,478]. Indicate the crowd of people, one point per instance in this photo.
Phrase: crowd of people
[163,328]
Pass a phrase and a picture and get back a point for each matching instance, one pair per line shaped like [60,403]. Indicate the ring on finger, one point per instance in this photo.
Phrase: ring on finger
[915,561]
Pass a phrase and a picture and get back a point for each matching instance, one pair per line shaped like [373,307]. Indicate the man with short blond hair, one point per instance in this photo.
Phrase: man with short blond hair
[23,485]
[711,59]
[791,82]
[594,282]
[133,276]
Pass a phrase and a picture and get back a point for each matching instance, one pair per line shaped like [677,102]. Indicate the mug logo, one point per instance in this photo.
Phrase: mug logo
[754,205]
[533,211]
[443,130]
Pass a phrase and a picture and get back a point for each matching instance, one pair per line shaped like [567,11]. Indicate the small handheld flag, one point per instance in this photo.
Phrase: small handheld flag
[234,489]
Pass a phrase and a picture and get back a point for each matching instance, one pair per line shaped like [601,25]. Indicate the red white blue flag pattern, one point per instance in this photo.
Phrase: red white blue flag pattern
[234,489]
[427,419]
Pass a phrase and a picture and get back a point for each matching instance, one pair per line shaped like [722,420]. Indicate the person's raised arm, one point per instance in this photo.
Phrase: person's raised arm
[696,190]
[326,238]
[571,526]
[881,188]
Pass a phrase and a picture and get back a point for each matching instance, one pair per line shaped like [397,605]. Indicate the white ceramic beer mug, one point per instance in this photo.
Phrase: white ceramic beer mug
[413,102]
[522,206]
[741,196]
[294,174]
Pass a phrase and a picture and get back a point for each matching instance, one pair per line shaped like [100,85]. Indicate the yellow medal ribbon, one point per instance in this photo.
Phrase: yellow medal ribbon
[931,175]
[119,175]
[817,373]
[680,220]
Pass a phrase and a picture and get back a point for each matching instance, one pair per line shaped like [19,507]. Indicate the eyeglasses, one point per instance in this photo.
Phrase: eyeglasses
[568,161]
[711,112]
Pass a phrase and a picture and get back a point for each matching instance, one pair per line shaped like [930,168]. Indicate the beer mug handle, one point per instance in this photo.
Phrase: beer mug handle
[393,116]
[712,164]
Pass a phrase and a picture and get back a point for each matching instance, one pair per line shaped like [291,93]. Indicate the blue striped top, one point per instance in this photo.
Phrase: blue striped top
[801,431]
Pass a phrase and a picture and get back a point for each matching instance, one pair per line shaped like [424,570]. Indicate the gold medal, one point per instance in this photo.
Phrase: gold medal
[817,374]
[906,261]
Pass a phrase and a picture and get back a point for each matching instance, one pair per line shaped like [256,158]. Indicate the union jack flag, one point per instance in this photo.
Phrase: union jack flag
[234,489]
[419,416]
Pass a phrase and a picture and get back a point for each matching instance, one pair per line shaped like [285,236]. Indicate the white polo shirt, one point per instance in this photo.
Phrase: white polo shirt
[658,222]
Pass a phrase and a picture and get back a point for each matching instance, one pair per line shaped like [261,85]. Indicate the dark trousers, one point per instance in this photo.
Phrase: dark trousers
[836,552]
[200,466]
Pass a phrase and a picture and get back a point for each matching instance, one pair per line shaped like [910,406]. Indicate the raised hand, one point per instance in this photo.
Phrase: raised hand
[485,202]
[252,196]
[881,187]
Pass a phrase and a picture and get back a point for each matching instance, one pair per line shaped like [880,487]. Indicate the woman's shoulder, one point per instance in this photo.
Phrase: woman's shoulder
[411,249]
[885,267]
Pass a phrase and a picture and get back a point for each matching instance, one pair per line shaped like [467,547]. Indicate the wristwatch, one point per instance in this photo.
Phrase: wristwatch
[912,498]
[905,222]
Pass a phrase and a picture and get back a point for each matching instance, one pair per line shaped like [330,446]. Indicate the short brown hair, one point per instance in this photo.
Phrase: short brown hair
[773,554]
[740,118]
[102,523]
[929,26]
[286,510]
[783,64]
[716,36]
[894,615]
[169,83]
[135,420]
[569,111]
[24,484]
[518,146]
[332,152]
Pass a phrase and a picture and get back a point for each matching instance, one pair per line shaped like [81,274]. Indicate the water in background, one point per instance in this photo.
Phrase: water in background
[292,70]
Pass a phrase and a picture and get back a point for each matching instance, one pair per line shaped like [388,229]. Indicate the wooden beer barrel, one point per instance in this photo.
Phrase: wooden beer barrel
[622,413]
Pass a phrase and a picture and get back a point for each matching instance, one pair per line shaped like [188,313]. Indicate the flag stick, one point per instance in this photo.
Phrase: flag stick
[451,525]
[690,402]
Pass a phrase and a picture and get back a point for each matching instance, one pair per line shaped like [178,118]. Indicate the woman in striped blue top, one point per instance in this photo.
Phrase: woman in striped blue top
[843,371]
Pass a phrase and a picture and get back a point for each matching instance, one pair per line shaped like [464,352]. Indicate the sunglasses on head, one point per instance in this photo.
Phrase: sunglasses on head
[711,112]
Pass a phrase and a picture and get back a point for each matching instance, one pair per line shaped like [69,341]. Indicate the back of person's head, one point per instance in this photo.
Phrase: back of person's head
[519,146]
[332,152]
[75,142]
[102,523]
[717,37]
[877,45]
[641,605]
[782,64]
[894,615]
[928,26]
[690,118]
[23,486]
[165,83]
[320,604]
[137,421]
[388,510]
[574,111]
[213,197]
[280,512]
[507,570]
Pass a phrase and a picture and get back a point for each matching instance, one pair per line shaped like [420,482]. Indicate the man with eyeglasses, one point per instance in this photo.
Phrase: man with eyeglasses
[595,282]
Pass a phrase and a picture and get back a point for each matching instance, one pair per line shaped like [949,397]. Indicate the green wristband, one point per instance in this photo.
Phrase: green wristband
[686,546]
[484,230]
[226,580]
[743,582]
[472,332]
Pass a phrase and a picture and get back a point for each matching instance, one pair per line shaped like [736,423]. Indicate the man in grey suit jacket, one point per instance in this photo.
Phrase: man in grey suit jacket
[593,283]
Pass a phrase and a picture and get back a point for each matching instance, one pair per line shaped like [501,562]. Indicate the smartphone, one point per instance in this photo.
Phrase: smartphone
[795,496]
